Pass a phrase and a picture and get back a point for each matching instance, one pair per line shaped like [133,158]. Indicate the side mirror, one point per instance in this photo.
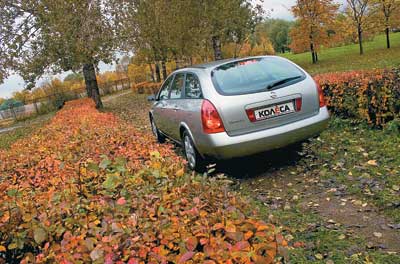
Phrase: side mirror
[151,98]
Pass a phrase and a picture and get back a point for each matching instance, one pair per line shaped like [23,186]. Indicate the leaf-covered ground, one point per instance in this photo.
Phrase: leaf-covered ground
[337,201]
[90,187]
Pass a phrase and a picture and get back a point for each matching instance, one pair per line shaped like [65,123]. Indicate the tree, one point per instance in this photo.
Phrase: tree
[56,36]
[314,17]
[227,21]
[22,96]
[387,8]
[123,64]
[359,14]
[74,77]
[204,24]
[278,33]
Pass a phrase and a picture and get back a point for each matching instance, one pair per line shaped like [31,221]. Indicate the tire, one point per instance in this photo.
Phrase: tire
[195,161]
[159,137]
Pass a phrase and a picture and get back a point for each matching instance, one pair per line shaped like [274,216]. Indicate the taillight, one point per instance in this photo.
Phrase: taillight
[320,95]
[299,103]
[210,118]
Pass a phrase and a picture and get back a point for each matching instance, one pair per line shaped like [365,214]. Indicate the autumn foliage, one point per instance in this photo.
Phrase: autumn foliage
[146,88]
[373,95]
[88,187]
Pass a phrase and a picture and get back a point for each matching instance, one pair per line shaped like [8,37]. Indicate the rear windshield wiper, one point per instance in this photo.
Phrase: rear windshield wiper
[282,81]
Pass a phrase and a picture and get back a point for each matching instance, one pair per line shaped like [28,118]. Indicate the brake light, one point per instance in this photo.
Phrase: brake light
[299,103]
[320,95]
[210,118]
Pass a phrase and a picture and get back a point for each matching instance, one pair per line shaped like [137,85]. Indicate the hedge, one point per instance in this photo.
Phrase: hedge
[373,96]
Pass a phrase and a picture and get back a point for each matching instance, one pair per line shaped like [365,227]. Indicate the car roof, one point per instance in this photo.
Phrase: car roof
[214,64]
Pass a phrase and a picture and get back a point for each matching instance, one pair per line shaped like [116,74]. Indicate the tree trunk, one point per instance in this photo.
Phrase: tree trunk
[177,66]
[164,70]
[217,48]
[283,50]
[151,72]
[92,87]
[314,59]
[158,75]
[360,40]
[387,31]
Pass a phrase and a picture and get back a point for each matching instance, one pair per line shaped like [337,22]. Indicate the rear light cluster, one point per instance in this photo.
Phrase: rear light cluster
[320,95]
[210,118]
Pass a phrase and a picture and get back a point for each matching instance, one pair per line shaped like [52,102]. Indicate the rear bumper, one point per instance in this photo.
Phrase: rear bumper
[222,146]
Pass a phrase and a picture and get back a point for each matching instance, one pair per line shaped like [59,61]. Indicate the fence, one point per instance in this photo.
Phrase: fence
[32,107]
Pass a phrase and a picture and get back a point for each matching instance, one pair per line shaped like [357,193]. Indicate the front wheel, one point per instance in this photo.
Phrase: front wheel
[195,161]
[159,137]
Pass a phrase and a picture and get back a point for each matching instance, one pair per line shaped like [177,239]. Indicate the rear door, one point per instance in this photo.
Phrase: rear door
[190,107]
[160,112]
[173,105]
[261,93]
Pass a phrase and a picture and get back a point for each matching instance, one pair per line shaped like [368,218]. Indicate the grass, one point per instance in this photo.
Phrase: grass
[321,239]
[340,156]
[24,128]
[366,160]
[347,58]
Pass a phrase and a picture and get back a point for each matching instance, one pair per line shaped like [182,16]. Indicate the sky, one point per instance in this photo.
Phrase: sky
[276,8]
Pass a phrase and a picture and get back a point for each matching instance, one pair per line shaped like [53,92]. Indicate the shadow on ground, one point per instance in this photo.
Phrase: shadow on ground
[261,164]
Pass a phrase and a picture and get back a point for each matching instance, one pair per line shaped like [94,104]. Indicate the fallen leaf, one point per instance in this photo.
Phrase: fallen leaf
[185,257]
[372,163]
[378,234]
[39,234]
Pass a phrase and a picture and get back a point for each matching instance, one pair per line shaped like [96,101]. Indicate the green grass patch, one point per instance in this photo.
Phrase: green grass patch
[322,242]
[24,128]
[347,58]
[366,160]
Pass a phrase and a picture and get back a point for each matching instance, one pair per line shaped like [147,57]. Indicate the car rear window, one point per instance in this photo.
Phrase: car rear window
[255,75]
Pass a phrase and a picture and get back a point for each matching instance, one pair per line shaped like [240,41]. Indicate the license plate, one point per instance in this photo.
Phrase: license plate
[274,111]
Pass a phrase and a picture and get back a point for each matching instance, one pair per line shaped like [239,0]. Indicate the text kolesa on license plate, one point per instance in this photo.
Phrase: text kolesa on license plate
[274,111]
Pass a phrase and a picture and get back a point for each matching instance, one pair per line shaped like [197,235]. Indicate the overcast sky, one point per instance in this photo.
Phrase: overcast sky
[275,8]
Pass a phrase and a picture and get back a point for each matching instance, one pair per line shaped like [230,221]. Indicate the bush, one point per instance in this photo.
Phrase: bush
[100,191]
[146,88]
[373,95]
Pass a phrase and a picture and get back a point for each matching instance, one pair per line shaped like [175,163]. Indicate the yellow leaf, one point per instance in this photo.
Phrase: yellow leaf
[372,163]
[2,248]
[180,172]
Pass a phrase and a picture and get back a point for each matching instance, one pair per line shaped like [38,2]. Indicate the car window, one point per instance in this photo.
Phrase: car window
[254,75]
[192,87]
[177,85]
[164,91]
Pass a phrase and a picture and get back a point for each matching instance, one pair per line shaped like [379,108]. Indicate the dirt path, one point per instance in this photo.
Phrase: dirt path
[279,179]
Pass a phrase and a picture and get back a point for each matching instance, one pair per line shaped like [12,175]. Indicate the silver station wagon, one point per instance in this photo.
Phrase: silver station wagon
[237,107]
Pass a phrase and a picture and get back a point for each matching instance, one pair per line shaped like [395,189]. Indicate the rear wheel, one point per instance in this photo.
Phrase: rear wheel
[160,137]
[195,161]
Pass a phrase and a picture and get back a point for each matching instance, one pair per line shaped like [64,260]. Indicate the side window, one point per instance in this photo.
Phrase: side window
[192,87]
[165,89]
[177,85]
